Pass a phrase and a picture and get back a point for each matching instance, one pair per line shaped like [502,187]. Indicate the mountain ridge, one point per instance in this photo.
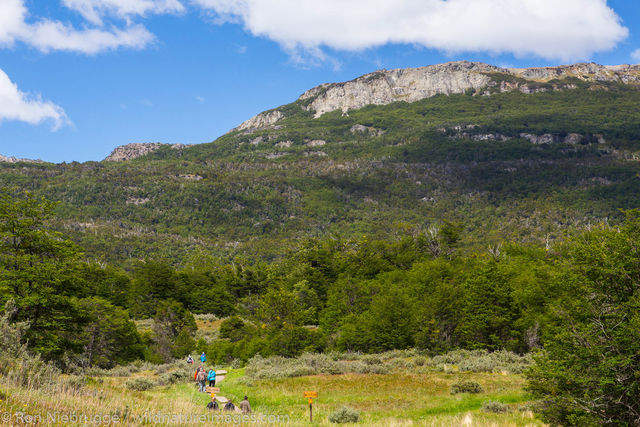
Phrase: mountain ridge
[383,87]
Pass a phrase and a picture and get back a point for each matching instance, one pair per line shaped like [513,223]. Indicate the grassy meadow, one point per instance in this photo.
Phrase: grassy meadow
[399,398]
[387,389]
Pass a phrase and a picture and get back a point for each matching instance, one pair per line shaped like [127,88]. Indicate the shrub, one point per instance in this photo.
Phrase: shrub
[482,361]
[121,371]
[495,407]
[372,359]
[174,377]
[466,387]
[282,367]
[74,382]
[344,415]
[139,384]
[360,367]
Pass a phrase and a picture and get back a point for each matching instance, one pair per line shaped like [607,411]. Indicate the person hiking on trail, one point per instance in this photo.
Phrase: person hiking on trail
[212,378]
[202,380]
[229,406]
[213,404]
[190,360]
[245,406]
[203,358]
[195,375]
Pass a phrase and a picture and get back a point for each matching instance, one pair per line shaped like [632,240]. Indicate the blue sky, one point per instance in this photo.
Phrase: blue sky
[80,77]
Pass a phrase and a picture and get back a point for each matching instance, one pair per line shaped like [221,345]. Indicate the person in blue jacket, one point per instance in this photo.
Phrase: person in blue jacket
[212,378]
[203,358]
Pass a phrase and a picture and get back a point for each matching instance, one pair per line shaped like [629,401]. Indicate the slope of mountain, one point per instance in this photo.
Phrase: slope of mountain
[413,84]
[527,155]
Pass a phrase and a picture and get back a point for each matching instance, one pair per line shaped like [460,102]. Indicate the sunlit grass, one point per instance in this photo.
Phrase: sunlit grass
[397,398]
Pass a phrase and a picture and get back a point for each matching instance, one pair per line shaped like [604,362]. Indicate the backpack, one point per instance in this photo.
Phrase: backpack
[212,375]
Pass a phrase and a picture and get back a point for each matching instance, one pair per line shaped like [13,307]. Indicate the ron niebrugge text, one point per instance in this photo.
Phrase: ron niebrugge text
[157,418]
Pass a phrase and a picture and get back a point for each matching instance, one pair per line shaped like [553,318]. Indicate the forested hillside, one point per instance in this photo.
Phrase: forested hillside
[506,165]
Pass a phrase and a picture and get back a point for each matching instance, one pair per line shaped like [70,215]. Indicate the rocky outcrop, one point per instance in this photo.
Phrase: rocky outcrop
[469,132]
[410,85]
[260,121]
[413,84]
[588,72]
[367,130]
[138,149]
[5,159]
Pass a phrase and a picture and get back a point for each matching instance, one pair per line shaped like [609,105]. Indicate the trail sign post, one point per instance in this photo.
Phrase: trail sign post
[310,395]
[212,389]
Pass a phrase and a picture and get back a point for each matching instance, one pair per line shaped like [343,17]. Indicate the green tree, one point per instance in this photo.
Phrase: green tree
[153,281]
[37,270]
[109,337]
[589,371]
[174,328]
[489,312]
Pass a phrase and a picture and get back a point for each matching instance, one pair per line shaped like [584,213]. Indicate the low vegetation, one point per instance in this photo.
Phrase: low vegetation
[344,415]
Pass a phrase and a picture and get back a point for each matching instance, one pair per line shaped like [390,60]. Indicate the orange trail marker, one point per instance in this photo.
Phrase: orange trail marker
[310,395]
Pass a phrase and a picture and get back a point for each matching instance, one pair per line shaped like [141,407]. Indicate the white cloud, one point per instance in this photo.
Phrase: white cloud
[48,35]
[95,10]
[17,105]
[561,30]
[635,55]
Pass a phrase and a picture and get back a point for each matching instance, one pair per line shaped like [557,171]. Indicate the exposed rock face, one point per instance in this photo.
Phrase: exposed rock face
[413,84]
[410,84]
[260,121]
[358,128]
[138,149]
[316,143]
[12,159]
[583,71]
[467,132]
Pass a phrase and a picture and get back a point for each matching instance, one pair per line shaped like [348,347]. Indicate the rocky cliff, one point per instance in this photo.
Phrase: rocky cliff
[137,149]
[5,159]
[413,84]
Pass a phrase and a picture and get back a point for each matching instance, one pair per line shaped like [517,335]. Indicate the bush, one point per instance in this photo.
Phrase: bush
[466,387]
[344,415]
[139,384]
[74,382]
[495,407]
[482,361]
[174,377]
[362,368]
[259,367]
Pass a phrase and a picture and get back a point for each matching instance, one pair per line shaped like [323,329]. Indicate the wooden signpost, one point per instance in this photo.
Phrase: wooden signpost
[212,389]
[310,395]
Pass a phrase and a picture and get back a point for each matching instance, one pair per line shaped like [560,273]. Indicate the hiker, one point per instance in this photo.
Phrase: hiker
[202,380]
[213,404]
[212,378]
[190,360]
[203,358]
[245,406]
[229,406]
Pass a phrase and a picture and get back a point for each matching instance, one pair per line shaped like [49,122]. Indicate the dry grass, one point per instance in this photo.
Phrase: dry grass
[403,397]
